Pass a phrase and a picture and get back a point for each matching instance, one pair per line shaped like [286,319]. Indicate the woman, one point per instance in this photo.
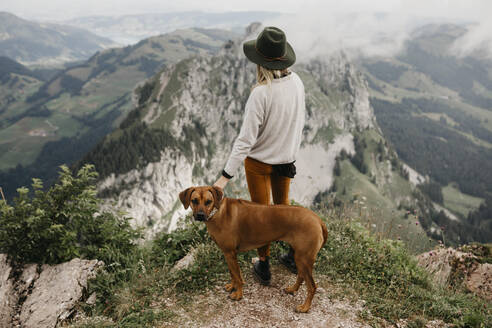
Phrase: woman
[271,132]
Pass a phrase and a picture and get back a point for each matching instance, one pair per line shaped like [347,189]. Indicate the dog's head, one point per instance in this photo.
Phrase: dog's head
[202,200]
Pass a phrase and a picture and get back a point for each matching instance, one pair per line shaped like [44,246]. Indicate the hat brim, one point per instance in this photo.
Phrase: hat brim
[249,48]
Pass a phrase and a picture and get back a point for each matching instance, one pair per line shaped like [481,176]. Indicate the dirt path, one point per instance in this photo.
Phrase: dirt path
[268,306]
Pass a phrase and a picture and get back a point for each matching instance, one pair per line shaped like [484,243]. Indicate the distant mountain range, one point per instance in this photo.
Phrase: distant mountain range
[130,29]
[32,43]
[436,109]
[45,124]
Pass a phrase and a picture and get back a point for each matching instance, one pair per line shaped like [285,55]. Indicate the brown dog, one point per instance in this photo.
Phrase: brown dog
[237,225]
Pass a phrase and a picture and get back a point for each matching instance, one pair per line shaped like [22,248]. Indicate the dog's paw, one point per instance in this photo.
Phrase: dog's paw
[302,308]
[236,296]
[290,290]
[229,287]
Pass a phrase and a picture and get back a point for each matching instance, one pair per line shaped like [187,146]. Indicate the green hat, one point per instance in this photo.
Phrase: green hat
[270,49]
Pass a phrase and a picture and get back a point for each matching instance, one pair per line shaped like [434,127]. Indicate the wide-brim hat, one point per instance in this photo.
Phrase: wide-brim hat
[270,49]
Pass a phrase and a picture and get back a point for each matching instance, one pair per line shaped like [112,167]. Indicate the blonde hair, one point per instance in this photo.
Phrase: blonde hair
[265,75]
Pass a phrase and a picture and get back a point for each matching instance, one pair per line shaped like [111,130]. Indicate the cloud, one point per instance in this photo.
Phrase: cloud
[477,40]
[323,33]
[316,26]
[371,28]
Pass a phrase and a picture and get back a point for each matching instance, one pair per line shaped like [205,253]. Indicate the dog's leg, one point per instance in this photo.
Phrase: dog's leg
[295,287]
[237,280]
[307,272]
[229,287]
[300,276]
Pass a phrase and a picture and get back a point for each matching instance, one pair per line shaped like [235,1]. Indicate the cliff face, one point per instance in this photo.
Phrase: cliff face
[200,101]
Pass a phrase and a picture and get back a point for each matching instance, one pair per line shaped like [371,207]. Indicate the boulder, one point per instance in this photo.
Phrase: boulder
[480,281]
[6,292]
[56,292]
[439,263]
[186,261]
[42,296]
[449,266]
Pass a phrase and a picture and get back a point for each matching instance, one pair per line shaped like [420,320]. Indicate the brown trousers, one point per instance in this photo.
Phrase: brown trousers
[261,183]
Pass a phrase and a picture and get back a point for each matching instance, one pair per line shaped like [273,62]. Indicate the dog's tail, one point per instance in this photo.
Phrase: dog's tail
[325,232]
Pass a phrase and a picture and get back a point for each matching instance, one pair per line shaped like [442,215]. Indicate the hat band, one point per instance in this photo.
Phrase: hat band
[267,58]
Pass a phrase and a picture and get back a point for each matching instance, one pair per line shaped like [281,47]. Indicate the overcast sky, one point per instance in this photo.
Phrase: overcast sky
[64,9]
[317,26]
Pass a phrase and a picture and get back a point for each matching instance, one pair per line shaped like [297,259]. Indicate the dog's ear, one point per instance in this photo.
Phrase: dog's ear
[217,193]
[185,197]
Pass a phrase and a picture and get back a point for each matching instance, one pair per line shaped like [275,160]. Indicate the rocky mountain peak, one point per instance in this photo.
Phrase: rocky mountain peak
[200,102]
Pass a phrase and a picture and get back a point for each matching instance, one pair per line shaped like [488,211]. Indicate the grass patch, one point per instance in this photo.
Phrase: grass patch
[388,278]
[459,202]
[375,207]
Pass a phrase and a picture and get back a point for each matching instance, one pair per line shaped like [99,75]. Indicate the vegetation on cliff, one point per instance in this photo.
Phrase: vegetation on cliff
[63,222]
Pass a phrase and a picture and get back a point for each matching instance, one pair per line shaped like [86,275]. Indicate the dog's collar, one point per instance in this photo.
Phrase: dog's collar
[212,213]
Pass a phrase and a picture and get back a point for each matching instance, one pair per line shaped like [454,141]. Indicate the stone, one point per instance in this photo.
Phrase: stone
[480,281]
[7,298]
[438,263]
[443,265]
[91,300]
[186,261]
[56,291]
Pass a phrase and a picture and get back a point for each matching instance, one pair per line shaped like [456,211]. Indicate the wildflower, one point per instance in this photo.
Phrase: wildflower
[417,223]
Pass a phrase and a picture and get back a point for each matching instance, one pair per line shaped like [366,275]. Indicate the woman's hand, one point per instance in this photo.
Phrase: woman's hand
[222,182]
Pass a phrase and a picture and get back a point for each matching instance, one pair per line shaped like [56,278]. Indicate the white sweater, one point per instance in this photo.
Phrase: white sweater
[272,126]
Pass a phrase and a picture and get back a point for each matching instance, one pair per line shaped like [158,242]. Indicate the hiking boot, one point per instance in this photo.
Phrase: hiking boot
[261,270]
[288,261]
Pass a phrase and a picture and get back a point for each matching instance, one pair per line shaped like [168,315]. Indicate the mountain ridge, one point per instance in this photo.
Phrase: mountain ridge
[33,43]
[85,102]
[435,107]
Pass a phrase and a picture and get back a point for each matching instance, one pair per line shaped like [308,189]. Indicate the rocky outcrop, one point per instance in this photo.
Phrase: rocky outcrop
[42,296]
[201,102]
[6,288]
[449,266]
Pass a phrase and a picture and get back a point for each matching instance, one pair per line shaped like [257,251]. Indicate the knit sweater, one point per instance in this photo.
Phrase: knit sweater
[271,131]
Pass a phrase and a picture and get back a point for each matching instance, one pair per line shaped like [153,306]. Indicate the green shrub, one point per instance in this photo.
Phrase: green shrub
[168,248]
[63,223]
